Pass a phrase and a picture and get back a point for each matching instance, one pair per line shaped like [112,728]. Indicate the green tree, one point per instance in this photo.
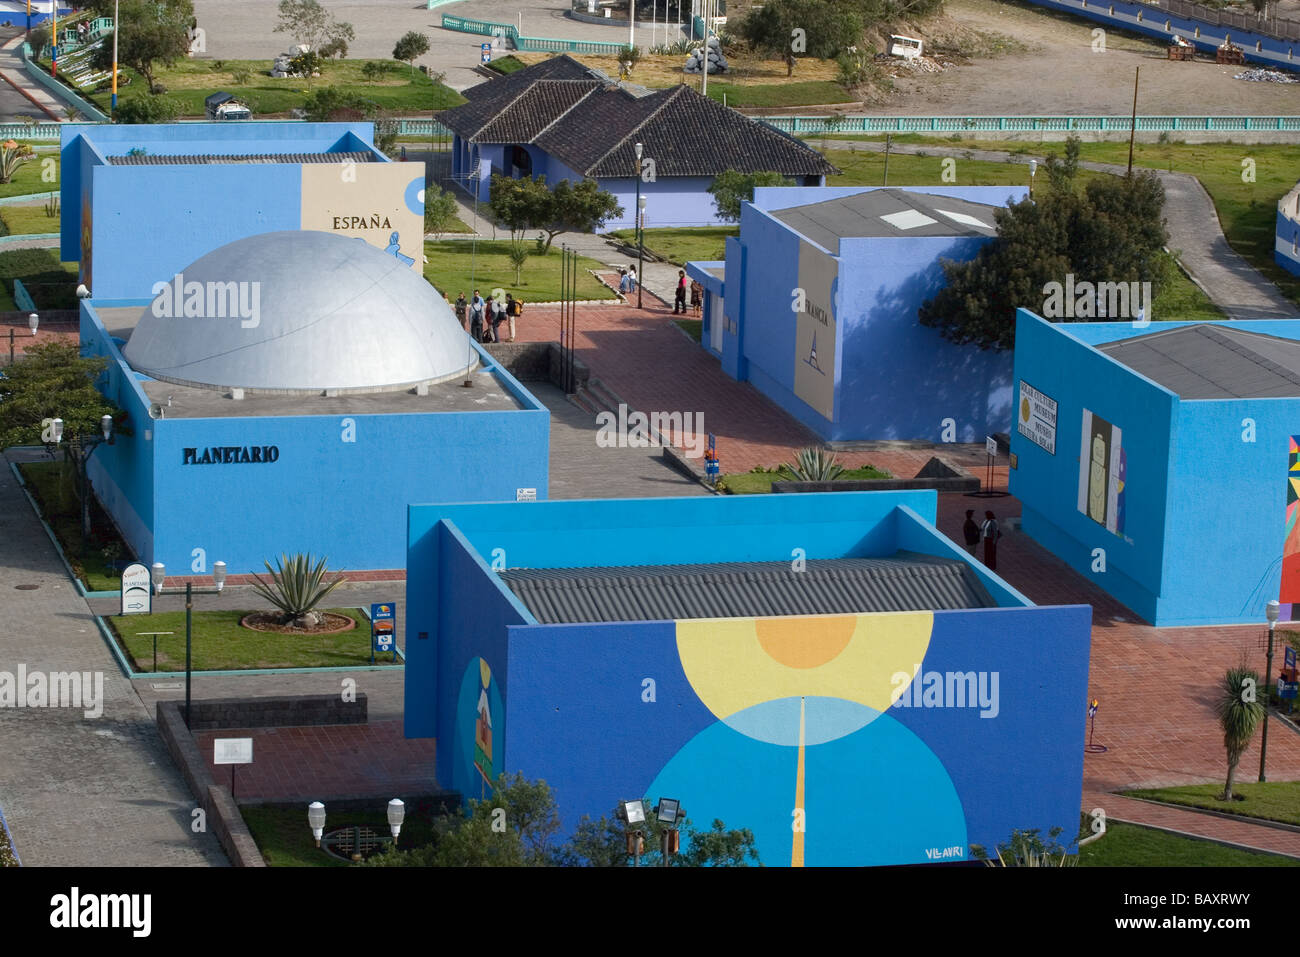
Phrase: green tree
[520,204]
[152,33]
[732,187]
[1111,232]
[581,208]
[311,25]
[411,47]
[439,210]
[603,843]
[787,29]
[371,70]
[1240,711]
[518,256]
[1027,849]
[53,381]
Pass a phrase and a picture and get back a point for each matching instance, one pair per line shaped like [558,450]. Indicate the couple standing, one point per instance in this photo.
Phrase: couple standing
[987,532]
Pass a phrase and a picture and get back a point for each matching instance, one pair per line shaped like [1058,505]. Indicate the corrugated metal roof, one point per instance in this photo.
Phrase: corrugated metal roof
[905,581]
[215,159]
[1208,361]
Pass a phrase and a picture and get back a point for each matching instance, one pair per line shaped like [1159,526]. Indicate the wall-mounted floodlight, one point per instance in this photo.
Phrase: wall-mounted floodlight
[669,811]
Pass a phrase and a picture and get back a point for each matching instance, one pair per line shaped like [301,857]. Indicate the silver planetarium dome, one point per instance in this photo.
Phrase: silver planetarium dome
[307,312]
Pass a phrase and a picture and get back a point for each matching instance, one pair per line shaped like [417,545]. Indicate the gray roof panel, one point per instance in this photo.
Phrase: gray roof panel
[218,159]
[1209,361]
[905,581]
[861,216]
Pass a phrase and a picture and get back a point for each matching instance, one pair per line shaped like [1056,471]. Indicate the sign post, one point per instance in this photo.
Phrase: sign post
[232,751]
[382,623]
[711,464]
[137,597]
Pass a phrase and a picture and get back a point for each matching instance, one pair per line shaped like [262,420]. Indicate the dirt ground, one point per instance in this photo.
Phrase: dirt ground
[1060,73]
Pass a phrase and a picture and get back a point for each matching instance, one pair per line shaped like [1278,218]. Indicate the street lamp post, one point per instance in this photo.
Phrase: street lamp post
[640,205]
[112,109]
[1271,611]
[157,574]
[1033,168]
[78,451]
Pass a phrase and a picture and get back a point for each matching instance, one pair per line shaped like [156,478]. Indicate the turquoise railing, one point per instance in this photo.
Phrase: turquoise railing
[507,31]
[1024,124]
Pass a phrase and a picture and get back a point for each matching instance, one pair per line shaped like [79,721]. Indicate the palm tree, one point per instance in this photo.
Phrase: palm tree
[1239,713]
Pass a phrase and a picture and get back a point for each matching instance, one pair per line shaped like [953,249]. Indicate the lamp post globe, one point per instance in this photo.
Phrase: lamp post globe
[316,820]
[33,321]
[157,573]
[396,814]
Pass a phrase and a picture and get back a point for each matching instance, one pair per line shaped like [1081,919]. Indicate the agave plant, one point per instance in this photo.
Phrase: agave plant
[296,587]
[815,465]
[12,156]
[1027,849]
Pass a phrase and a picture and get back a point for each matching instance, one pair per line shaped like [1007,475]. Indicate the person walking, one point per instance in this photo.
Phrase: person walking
[476,308]
[462,311]
[679,294]
[498,314]
[990,533]
[624,283]
[631,279]
[513,310]
[971,531]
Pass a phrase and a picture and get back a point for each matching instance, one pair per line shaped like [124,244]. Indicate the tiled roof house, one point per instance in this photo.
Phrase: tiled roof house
[564,120]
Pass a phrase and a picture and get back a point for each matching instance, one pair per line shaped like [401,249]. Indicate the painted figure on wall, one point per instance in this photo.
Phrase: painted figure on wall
[1289,592]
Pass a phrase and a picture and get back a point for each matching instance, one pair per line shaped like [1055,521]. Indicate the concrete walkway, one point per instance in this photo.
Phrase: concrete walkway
[79,791]
[1195,235]
[20,95]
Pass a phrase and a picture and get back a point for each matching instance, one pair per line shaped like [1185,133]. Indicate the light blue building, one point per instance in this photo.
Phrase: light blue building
[293,392]
[816,305]
[142,201]
[1159,460]
[643,649]
[566,121]
[1286,245]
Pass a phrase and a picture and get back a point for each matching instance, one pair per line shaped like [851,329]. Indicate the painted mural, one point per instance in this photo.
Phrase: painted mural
[1103,473]
[477,750]
[382,203]
[806,729]
[1290,590]
[816,325]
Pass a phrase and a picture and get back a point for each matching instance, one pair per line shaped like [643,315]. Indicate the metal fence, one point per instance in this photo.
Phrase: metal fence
[1274,26]
[1018,124]
[507,31]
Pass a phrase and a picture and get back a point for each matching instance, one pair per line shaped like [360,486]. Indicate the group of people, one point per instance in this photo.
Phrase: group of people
[627,281]
[986,532]
[484,318]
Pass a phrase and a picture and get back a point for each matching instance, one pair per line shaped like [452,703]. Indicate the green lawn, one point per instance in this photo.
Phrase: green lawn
[758,482]
[285,840]
[795,93]
[450,264]
[220,643]
[1247,210]
[28,219]
[1271,800]
[506,64]
[34,176]
[692,327]
[52,284]
[683,244]
[1128,845]
[189,82]
[458,225]
[57,497]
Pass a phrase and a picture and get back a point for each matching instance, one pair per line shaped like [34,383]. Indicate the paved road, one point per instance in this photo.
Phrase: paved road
[76,790]
[13,105]
[1233,284]
[244,29]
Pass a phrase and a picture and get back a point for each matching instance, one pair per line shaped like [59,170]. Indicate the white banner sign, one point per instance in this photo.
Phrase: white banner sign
[1036,419]
[232,751]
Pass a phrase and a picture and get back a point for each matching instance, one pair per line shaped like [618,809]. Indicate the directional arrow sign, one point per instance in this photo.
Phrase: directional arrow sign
[137,599]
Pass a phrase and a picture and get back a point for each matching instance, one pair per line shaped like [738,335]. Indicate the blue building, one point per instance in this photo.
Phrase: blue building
[880,699]
[191,187]
[816,305]
[1160,461]
[1286,246]
[566,121]
[293,392]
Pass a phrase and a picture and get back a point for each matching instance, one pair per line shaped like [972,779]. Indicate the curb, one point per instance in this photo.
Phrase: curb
[1224,815]
[4,826]
[1201,837]
[81,591]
